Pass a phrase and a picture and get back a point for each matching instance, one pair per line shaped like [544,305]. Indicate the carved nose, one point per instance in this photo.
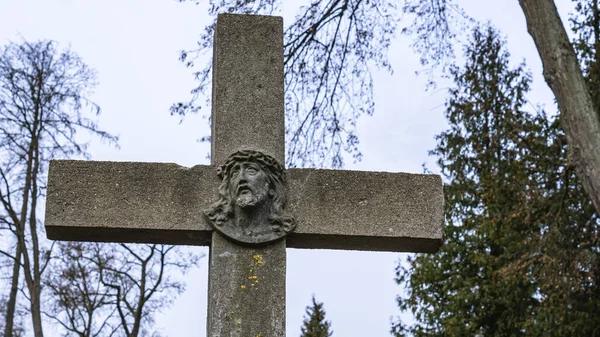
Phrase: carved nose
[242,179]
[242,183]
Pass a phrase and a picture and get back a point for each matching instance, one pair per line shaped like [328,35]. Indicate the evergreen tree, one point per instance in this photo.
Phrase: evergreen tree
[520,256]
[315,324]
[585,25]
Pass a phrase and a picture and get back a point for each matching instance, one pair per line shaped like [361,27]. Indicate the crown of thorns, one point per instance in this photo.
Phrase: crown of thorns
[264,160]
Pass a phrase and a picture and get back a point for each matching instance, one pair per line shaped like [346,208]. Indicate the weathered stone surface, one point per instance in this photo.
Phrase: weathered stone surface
[377,211]
[155,202]
[246,289]
[248,98]
[128,202]
[247,284]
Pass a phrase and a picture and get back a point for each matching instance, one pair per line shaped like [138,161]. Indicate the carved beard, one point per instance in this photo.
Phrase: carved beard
[246,199]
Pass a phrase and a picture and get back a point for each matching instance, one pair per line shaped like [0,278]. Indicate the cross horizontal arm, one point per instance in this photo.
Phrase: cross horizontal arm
[374,211]
[163,203]
[129,202]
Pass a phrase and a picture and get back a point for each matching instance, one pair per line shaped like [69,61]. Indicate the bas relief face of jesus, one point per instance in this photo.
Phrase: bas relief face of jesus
[248,185]
[252,199]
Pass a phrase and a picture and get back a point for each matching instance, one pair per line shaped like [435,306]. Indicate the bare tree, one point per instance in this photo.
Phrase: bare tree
[43,106]
[114,289]
[140,280]
[93,289]
[329,53]
[79,302]
[17,326]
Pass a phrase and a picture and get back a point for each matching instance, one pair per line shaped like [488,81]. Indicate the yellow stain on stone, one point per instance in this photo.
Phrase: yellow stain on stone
[258,259]
[253,280]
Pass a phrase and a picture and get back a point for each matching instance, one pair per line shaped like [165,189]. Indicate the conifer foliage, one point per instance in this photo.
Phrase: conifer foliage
[521,254]
[315,324]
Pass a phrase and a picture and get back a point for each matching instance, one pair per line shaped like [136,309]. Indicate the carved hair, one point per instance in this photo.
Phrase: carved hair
[221,211]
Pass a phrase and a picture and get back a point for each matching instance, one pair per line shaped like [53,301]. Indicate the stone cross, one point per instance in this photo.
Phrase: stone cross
[165,203]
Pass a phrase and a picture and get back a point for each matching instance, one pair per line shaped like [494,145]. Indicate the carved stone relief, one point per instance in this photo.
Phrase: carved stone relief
[252,198]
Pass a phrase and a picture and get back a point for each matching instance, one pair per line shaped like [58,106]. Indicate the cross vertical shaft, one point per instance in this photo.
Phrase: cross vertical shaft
[247,92]
[246,291]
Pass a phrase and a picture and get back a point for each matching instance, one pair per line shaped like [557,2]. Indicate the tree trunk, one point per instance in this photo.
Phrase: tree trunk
[12,299]
[579,116]
[36,316]
[36,294]
[31,268]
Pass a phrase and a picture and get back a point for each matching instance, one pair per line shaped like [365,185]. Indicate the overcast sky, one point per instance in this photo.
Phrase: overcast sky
[134,46]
